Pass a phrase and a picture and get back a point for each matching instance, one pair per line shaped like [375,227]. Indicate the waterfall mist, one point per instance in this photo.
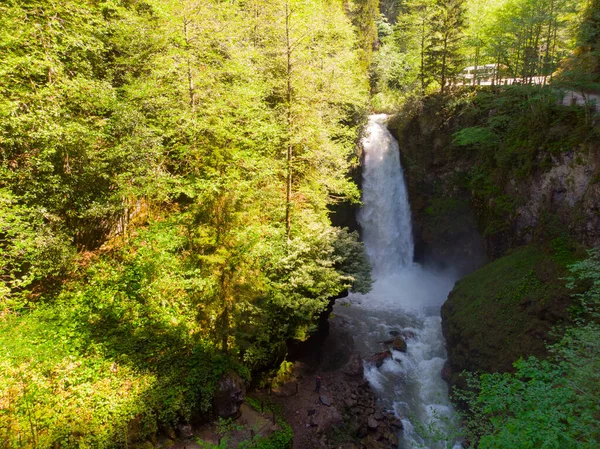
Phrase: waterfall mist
[405,300]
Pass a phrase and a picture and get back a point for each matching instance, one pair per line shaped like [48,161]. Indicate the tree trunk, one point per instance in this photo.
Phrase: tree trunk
[444,55]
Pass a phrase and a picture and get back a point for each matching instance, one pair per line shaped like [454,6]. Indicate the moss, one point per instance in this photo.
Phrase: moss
[507,309]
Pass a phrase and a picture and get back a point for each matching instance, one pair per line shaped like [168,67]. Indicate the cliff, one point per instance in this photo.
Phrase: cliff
[508,176]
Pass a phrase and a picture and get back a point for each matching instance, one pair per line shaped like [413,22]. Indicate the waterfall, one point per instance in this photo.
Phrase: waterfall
[405,301]
[385,217]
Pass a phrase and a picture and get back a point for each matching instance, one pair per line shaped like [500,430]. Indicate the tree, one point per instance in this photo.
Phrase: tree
[443,57]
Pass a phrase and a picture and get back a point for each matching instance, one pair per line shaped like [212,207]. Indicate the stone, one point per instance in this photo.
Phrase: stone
[350,403]
[354,367]
[398,424]
[393,439]
[287,389]
[372,423]
[399,344]
[184,431]
[447,371]
[362,432]
[380,357]
[229,395]
[325,401]
[394,333]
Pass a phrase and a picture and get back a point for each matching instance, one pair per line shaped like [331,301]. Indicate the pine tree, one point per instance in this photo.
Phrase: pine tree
[444,56]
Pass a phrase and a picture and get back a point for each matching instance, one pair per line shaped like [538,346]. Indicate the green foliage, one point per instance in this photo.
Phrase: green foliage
[499,304]
[431,42]
[587,272]
[282,438]
[117,356]
[144,248]
[512,129]
[544,403]
[475,136]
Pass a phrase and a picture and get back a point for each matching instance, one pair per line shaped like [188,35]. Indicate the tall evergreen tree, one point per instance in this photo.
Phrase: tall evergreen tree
[444,57]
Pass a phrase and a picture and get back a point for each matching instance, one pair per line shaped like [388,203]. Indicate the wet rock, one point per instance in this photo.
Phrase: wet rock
[394,333]
[447,371]
[229,395]
[372,423]
[397,424]
[354,366]
[325,401]
[379,358]
[408,334]
[399,344]
[184,431]
[393,439]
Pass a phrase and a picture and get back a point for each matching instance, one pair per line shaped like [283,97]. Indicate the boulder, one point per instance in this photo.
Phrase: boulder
[354,367]
[229,395]
[380,357]
[408,334]
[325,401]
[372,423]
[399,344]
[184,431]
[397,423]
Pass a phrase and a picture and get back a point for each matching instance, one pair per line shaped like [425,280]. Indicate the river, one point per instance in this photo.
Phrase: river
[405,301]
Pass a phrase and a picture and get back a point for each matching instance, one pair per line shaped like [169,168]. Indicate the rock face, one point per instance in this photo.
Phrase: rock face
[452,227]
[504,311]
[380,357]
[550,206]
[229,395]
[445,227]
[568,191]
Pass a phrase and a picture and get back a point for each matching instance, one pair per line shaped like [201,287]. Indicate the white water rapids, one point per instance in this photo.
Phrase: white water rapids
[405,300]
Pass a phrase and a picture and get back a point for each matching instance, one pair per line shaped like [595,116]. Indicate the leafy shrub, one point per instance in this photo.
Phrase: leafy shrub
[545,403]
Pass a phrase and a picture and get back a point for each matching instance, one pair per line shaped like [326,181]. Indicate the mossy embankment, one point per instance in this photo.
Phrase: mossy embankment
[508,309]
[509,176]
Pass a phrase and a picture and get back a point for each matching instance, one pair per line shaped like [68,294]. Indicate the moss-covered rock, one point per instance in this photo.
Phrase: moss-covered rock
[506,310]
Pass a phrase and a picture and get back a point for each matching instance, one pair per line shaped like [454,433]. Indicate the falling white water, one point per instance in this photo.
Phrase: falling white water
[405,300]
[385,218]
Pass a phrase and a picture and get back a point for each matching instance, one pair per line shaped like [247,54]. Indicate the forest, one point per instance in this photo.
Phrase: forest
[170,172]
